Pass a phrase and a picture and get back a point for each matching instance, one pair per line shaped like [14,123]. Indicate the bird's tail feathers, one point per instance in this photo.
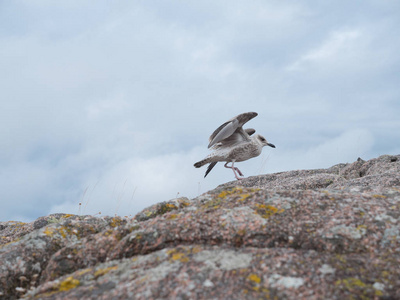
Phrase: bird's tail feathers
[209,168]
[202,162]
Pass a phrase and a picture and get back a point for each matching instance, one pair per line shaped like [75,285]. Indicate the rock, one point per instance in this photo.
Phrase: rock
[312,234]
[383,171]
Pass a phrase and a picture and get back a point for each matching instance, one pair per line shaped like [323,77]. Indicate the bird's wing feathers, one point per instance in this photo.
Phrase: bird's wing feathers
[250,131]
[223,132]
[245,117]
[231,132]
[237,137]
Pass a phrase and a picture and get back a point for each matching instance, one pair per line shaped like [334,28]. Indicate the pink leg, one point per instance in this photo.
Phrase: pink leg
[234,170]
[240,173]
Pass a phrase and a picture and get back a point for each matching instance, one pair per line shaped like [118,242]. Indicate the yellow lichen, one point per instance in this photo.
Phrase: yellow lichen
[183,203]
[107,232]
[115,222]
[379,196]
[223,194]
[215,203]
[175,254]
[172,216]
[254,277]
[385,274]
[196,249]
[48,231]
[171,206]
[239,192]
[133,228]
[244,197]
[267,211]
[361,227]
[256,288]
[241,232]
[101,272]
[235,190]
[351,283]
[266,292]
[69,283]
[180,256]
[84,271]
[68,216]
[162,209]
[341,258]
[63,231]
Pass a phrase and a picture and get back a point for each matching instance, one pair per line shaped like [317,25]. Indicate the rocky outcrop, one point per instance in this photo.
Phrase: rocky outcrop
[314,234]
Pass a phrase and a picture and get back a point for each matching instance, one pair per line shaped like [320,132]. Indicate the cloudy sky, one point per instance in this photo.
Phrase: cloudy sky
[109,103]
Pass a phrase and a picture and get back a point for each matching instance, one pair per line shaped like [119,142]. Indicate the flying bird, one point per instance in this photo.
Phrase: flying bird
[231,143]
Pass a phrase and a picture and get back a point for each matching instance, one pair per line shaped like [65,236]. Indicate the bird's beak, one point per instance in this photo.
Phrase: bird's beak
[271,145]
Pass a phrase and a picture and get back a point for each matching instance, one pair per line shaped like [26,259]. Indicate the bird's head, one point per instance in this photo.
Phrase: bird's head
[263,141]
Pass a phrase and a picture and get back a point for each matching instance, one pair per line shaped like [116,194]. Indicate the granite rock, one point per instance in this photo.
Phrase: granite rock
[310,234]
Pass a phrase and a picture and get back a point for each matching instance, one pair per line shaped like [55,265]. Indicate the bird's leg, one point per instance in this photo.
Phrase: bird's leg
[240,173]
[234,170]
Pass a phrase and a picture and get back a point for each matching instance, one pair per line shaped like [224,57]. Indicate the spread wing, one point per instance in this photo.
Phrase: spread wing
[250,131]
[231,132]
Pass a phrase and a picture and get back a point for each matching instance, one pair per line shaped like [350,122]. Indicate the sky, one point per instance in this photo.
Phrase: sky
[106,105]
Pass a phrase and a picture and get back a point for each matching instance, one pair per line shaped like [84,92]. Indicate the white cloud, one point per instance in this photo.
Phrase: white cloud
[339,46]
[347,147]
[344,148]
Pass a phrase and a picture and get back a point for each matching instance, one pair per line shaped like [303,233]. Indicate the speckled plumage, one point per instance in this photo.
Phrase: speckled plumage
[231,143]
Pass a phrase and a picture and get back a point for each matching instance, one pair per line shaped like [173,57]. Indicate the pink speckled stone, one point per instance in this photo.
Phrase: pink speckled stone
[312,234]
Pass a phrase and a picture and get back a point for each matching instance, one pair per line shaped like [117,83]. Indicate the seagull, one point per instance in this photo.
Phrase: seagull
[231,143]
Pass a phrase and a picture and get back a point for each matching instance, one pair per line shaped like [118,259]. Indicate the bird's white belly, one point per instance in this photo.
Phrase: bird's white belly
[244,152]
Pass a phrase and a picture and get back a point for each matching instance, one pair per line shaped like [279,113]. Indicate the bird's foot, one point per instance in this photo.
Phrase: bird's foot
[237,177]
[234,169]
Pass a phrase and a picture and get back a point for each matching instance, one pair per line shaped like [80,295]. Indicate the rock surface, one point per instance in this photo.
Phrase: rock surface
[312,234]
